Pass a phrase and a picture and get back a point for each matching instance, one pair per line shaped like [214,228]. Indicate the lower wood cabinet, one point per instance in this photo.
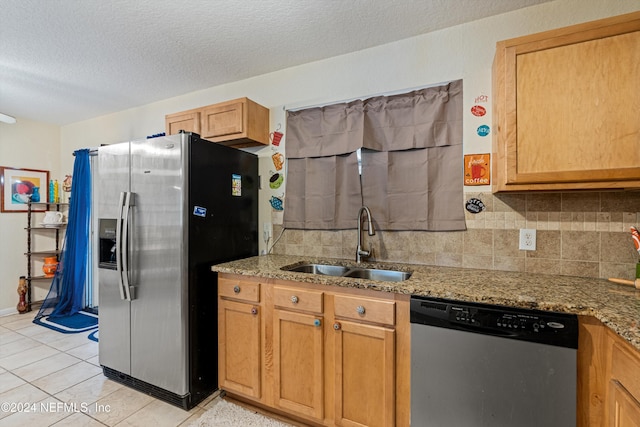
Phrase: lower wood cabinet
[298,351]
[365,374]
[624,386]
[364,337]
[331,356]
[240,337]
[625,409]
[608,377]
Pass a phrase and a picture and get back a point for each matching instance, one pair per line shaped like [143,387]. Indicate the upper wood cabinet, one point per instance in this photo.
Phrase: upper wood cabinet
[237,123]
[567,108]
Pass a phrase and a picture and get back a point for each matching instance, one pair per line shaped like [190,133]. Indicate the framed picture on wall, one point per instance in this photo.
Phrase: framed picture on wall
[18,186]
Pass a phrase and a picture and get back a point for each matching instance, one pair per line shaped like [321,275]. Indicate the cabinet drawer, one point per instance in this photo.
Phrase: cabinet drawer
[365,309]
[239,290]
[625,369]
[298,299]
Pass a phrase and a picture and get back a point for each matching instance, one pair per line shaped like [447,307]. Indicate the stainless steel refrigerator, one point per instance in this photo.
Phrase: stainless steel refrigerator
[167,209]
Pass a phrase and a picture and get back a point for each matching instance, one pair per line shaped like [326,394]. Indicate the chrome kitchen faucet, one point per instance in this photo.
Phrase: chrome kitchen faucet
[371,231]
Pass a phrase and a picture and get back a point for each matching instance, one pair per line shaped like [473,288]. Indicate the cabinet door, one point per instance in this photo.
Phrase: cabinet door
[625,410]
[239,348]
[223,120]
[624,386]
[566,108]
[365,375]
[188,122]
[298,362]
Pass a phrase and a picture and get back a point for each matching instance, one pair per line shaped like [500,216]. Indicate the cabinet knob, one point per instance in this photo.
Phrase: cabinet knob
[294,299]
[337,326]
[317,322]
[254,310]
[360,309]
[236,289]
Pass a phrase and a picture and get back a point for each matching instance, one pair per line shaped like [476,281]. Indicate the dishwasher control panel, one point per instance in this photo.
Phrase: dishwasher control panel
[500,319]
[509,322]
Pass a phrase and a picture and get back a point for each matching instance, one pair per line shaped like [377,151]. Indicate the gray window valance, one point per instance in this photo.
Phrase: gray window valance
[423,118]
[411,162]
[325,131]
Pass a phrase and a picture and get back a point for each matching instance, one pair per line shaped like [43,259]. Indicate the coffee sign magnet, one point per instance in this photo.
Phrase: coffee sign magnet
[278,160]
[480,99]
[276,180]
[483,130]
[477,170]
[275,138]
[475,206]
[478,110]
[276,203]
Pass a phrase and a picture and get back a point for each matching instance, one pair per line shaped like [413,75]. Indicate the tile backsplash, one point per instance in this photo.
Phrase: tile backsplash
[578,234]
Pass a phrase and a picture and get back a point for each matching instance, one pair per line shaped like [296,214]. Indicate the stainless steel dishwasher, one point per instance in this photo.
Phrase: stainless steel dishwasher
[479,365]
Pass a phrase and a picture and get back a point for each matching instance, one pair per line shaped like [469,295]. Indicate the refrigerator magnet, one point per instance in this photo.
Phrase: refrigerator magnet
[200,211]
[236,185]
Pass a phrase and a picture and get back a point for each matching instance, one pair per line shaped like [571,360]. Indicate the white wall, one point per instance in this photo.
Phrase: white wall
[464,51]
[30,145]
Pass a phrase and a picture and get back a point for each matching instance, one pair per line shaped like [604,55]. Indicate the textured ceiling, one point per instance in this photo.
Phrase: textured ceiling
[63,61]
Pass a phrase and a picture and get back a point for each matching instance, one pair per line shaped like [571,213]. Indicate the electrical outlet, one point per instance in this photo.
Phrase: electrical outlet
[528,239]
[266,229]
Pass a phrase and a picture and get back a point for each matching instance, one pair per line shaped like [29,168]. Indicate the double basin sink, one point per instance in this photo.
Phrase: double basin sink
[353,272]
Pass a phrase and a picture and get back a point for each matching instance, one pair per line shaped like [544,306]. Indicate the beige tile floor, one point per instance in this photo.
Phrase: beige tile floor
[53,379]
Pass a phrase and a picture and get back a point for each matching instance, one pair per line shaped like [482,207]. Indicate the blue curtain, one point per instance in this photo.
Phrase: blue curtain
[65,296]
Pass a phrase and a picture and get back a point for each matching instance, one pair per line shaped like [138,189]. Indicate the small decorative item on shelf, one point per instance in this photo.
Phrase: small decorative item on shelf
[52,218]
[50,266]
[66,187]
[22,292]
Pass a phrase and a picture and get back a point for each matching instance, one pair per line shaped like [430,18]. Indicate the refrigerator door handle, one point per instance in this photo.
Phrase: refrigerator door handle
[119,245]
[129,201]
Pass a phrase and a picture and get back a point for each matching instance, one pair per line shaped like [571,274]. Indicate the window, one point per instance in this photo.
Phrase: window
[411,162]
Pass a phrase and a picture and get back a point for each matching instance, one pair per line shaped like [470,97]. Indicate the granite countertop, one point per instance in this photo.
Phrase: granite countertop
[617,306]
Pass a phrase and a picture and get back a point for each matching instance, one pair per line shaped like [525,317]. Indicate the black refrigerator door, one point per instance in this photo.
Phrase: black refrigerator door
[223,203]
[223,226]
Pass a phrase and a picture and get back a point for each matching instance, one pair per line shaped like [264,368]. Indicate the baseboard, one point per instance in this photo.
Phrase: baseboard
[8,311]
[35,306]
